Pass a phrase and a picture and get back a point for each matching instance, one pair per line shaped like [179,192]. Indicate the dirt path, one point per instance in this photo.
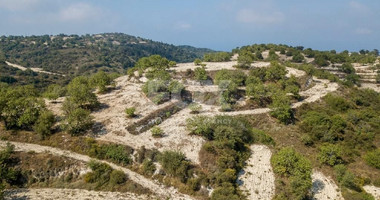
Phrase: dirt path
[153,186]
[324,188]
[35,69]
[69,194]
[374,191]
[258,178]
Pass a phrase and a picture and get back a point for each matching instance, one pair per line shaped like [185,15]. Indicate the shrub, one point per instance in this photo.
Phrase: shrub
[197,62]
[288,162]
[200,74]
[298,58]
[340,170]
[217,57]
[81,94]
[44,123]
[337,103]
[130,112]
[225,192]
[157,132]
[275,72]
[330,154]
[117,177]
[148,167]
[78,121]
[281,108]
[54,91]
[195,108]
[100,80]
[373,158]
[175,87]
[238,77]
[174,163]
[347,68]
[349,180]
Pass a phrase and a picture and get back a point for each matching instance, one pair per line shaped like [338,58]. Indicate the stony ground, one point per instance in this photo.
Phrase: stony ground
[70,194]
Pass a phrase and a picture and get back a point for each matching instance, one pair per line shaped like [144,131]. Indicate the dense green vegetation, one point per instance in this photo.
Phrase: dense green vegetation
[217,57]
[74,54]
[294,171]
[8,175]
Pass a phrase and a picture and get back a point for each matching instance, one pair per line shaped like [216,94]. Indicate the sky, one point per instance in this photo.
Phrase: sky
[215,24]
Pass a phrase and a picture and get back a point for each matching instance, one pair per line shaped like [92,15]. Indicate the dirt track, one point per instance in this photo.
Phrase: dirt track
[258,178]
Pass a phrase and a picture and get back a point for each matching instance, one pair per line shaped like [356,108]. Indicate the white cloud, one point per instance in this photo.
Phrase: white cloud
[359,7]
[79,12]
[183,26]
[253,16]
[363,31]
[19,5]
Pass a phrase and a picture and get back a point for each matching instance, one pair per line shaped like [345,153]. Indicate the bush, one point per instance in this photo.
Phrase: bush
[330,154]
[117,177]
[157,132]
[349,180]
[217,57]
[275,72]
[298,58]
[54,92]
[347,68]
[340,171]
[373,158]
[281,108]
[175,87]
[130,112]
[148,167]
[197,62]
[337,103]
[78,121]
[225,192]
[200,74]
[288,162]
[238,77]
[81,94]
[195,108]
[174,163]
[44,123]
[100,80]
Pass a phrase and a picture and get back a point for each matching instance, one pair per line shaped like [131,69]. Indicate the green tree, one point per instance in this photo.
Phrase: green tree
[174,163]
[54,91]
[200,74]
[298,58]
[275,72]
[78,121]
[197,62]
[44,124]
[280,108]
[81,94]
[20,107]
[100,80]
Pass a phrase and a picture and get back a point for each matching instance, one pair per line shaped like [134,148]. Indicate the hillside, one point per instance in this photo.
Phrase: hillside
[77,55]
[260,122]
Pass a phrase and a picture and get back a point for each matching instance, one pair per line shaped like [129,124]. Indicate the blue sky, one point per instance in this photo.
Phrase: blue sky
[216,24]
